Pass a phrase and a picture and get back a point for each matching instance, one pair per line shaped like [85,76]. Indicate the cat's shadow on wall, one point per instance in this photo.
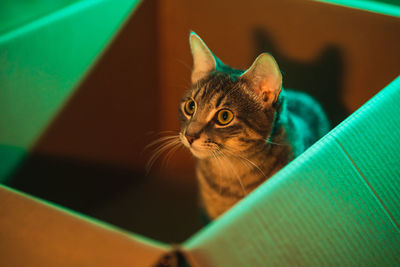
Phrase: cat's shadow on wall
[321,78]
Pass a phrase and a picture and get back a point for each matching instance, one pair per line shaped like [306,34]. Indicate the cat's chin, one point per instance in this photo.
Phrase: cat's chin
[200,154]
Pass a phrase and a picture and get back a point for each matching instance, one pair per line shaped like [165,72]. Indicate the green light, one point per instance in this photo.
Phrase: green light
[43,61]
[381,8]
[10,156]
[16,13]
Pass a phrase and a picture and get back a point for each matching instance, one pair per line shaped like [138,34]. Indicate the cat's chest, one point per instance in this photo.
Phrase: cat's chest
[229,177]
[223,183]
[224,168]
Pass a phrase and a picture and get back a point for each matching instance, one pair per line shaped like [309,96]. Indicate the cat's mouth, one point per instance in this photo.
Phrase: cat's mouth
[198,148]
[200,153]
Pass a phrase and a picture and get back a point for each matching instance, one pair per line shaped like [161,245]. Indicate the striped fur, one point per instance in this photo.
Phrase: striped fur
[234,159]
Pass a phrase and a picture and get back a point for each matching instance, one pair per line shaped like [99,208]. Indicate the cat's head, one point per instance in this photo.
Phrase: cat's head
[228,111]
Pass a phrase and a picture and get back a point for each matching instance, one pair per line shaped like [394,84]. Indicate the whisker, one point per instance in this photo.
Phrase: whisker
[273,143]
[256,166]
[171,152]
[218,160]
[161,132]
[249,161]
[156,155]
[183,64]
[161,140]
[167,143]
[237,175]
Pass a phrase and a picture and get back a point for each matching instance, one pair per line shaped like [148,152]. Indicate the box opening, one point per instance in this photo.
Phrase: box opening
[90,157]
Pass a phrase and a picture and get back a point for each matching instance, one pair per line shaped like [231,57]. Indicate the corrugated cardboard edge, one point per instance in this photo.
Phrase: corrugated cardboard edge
[36,233]
[370,6]
[321,209]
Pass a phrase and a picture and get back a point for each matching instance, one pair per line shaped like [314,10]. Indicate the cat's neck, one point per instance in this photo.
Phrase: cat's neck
[246,172]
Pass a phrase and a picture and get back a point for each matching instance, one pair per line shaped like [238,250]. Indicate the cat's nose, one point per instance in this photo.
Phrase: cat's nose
[190,138]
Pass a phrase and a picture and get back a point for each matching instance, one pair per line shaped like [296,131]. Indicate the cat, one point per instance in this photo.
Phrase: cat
[242,126]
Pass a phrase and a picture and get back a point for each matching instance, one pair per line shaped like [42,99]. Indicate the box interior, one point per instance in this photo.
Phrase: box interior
[86,149]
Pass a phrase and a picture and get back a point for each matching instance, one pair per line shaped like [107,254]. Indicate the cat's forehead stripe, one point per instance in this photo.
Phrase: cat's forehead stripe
[199,89]
[219,100]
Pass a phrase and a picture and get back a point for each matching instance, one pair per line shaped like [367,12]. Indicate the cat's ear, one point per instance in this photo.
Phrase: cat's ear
[265,77]
[203,59]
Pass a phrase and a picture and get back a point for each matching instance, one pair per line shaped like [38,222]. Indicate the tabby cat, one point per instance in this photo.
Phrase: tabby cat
[242,126]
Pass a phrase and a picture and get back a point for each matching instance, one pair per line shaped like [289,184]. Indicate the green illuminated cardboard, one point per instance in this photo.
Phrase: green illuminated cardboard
[14,14]
[336,204]
[42,62]
[387,7]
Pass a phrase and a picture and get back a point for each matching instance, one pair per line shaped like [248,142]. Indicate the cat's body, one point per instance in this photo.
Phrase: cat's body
[242,126]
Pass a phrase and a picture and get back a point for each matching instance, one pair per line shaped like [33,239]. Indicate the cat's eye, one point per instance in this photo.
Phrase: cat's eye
[224,116]
[190,107]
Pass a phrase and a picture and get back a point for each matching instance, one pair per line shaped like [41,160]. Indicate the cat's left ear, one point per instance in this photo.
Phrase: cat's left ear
[203,59]
[265,77]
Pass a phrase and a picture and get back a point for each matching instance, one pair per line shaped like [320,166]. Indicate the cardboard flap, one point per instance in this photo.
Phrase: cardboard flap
[336,204]
[34,233]
[42,61]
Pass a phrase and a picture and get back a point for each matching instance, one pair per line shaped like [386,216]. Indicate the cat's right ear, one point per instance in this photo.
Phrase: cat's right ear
[203,59]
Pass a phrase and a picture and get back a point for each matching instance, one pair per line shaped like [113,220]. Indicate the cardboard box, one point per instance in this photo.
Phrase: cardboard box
[75,137]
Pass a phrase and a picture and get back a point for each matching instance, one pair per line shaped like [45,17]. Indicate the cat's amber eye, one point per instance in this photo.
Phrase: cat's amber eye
[224,116]
[190,107]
